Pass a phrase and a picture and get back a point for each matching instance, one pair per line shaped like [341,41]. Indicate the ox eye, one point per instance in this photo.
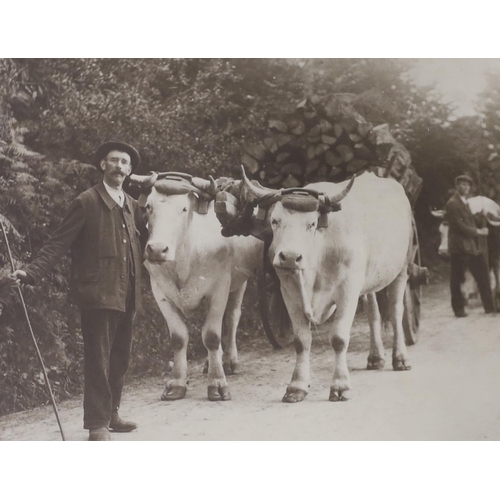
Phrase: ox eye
[184,209]
[274,222]
[312,225]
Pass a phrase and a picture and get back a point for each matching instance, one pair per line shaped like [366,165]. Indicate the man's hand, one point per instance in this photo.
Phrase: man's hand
[483,231]
[20,277]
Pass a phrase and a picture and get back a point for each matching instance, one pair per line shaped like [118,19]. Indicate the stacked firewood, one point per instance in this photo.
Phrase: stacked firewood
[326,139]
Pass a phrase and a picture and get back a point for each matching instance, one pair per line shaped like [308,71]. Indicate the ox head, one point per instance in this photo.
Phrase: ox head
[168,201]
[292,216]
[487,207]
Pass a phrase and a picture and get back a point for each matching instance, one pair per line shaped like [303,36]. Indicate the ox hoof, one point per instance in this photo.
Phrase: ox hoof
[337,396]
[218,393]
[400,365]
[205,367]
[173,393]
[293,395]
[231,368]
[375,364]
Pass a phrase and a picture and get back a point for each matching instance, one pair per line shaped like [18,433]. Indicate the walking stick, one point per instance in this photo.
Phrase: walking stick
[33,335]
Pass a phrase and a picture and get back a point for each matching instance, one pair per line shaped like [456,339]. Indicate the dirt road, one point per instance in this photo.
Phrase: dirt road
[451,393]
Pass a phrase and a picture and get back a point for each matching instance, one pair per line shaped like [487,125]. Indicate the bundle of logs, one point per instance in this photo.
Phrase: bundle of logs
[326,139]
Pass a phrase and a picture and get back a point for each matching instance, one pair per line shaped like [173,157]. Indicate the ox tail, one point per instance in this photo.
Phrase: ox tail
[417,275]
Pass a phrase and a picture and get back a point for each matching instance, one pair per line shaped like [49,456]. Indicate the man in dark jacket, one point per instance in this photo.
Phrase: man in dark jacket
[101,231]
[464,248]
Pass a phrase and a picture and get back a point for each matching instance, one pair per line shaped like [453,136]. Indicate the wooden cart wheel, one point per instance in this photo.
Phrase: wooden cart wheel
[273,312]
[412,298]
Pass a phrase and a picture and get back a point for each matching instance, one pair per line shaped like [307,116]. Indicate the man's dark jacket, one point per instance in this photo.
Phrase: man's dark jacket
[101,241]
[462,236]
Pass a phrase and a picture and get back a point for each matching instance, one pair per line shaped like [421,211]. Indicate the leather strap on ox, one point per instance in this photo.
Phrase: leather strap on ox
[171,183]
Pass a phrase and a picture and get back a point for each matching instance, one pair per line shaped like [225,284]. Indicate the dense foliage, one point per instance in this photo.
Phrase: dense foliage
[191,115]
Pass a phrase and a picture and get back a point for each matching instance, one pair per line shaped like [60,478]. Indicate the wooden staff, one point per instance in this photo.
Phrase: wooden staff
[40,359]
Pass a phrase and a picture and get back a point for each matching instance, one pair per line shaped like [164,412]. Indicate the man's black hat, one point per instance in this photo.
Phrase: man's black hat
[104,149]
[464,178]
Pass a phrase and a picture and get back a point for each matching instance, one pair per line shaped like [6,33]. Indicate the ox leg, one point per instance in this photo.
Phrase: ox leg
[376,357]
[176,386]
[339,340]
[231,320]
[301,378]
[395,294]
[218,389]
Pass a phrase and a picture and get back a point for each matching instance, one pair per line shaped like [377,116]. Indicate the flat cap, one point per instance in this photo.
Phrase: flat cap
[105,148]
[464,178]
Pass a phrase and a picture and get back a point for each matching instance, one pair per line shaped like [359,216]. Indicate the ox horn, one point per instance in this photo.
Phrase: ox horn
[209,187]
[250,192]
[439,214]
[144,182]
[493,220]
[340,196]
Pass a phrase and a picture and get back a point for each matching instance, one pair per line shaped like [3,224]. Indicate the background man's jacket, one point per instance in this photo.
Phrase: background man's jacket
[462,236]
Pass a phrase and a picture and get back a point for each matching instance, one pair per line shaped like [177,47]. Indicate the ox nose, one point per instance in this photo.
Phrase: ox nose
[289,259]
[156,251]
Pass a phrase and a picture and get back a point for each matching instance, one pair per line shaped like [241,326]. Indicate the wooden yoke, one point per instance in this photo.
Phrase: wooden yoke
[170,183]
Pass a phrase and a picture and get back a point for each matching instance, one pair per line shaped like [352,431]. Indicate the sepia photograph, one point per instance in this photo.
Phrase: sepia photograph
[241,241]
[250,250]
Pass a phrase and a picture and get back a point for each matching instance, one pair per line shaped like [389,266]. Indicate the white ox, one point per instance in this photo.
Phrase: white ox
[491,211]
[189,261]
[364,248]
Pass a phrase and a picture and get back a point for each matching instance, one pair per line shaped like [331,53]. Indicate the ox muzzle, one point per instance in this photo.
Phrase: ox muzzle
[158,252]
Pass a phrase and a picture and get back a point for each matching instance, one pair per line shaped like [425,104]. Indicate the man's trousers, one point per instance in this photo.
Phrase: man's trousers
[476,264]
[107,340]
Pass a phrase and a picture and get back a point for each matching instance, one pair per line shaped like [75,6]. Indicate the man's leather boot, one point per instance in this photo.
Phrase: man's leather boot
[99,434]
[119,425]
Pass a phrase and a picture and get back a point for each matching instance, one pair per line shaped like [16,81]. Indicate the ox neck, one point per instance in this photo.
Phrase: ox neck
[189,252]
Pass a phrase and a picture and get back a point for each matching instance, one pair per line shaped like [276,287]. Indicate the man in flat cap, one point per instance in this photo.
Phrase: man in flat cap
[464,249]
[101,229]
